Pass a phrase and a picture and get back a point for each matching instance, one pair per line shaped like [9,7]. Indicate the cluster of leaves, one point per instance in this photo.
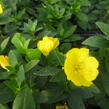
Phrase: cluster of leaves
[99,11]
[37,82]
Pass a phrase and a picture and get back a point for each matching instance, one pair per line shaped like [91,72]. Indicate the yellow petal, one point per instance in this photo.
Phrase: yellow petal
[61,107]
[75,76]
[1,9]
[4,61]
[90,68]
[56,43]
[78,55]
[47,45]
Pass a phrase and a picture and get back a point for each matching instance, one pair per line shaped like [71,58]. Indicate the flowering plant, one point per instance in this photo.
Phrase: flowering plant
[45,63]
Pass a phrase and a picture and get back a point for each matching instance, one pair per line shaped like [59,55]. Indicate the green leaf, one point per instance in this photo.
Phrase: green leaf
[85,92]
[60,29]
[24,100]
[47,71]
[103,27]
[2,106]
[65,47]
[30,26]
[60,76]
[4,44]
[75,37]
[104,79]
[55,58]
[103,102]
[26,43]
[6,95]
[97,41]
[13,4]
[42,80]
[54,95]
[52,1]
[40,97]
[31,64]
[20,75]
[82,17]
[93,88]
[34,24]
[20,43]
[33,54]
[72,38]
[85,3]
[12,84]
[4,75]
[70,31]
[12,58]
[5,20]
[75,100]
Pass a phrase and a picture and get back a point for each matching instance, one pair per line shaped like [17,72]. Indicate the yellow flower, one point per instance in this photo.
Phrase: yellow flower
[61,107]
[81,68]
[1,9]
[47,45]
[4,61]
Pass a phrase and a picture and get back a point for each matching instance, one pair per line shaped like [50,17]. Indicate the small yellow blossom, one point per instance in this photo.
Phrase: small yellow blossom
[1,9]
[81,68]
[47,45]
[4,61]
[61,107]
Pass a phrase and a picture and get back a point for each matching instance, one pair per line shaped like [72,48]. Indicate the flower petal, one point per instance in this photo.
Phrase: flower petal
[78,55]
[74,75]
[47,45]
[1,9]
[90,68]
[4,61]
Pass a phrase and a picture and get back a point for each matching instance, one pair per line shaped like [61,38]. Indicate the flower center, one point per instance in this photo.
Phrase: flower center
[77,68]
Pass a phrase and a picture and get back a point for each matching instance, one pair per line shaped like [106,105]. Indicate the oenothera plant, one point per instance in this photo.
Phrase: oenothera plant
[45,75]
[42,67]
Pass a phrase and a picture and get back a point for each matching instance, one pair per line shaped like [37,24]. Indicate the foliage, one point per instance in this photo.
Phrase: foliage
[35,81]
